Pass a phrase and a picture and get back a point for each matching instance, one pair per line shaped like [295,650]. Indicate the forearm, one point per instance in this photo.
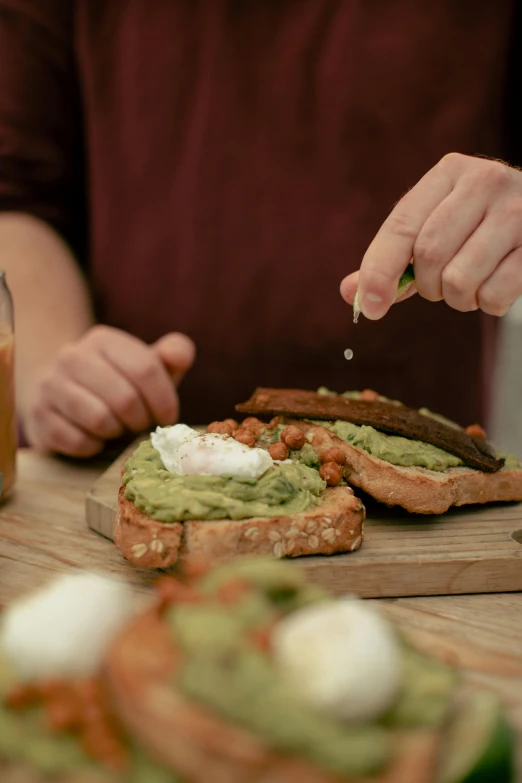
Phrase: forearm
[52,302]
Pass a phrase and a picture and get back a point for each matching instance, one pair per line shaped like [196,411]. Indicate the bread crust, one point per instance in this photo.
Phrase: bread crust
[418,490]
[201,747]
[336,525]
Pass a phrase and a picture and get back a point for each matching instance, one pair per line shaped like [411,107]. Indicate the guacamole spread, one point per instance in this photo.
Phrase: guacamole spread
[168,497]
[393,448]
[237,679]
[397,450]
[307,455]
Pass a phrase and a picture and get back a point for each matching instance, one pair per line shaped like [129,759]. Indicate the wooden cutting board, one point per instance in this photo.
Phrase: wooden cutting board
[471,550]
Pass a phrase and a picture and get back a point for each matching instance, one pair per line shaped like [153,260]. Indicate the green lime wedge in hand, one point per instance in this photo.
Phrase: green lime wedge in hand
[479,746]
[406,279]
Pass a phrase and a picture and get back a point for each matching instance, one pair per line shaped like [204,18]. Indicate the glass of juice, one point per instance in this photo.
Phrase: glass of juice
[8,428]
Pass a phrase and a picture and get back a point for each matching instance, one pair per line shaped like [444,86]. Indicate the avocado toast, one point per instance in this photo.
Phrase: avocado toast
[414,459]
[239,674]
[258,677]
[226,495]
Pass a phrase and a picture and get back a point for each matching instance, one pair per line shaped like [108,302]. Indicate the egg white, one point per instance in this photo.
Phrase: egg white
[341,657]
[188,453]
[63,630]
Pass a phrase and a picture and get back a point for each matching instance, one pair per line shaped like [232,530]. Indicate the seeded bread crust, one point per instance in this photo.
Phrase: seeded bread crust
[336,525]
[201,747]
[418,490]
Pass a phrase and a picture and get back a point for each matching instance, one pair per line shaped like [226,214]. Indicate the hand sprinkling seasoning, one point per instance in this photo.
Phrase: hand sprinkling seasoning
[407,278]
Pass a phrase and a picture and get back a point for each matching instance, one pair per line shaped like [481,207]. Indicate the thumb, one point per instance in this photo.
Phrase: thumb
[177,352]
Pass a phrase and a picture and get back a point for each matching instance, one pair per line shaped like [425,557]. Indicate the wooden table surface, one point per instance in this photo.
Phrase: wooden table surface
[43,532]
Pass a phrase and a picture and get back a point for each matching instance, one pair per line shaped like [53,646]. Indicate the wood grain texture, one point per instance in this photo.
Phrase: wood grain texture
[43,532]
[469,550]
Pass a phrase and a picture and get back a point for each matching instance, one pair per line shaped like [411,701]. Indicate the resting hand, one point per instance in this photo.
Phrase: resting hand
[462,225]
[106,383]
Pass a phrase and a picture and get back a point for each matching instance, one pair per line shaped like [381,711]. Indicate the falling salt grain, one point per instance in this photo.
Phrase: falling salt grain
[348,354]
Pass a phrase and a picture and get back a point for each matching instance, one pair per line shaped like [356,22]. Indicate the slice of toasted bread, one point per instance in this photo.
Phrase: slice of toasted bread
[335,525]
[418,490]
[201,747]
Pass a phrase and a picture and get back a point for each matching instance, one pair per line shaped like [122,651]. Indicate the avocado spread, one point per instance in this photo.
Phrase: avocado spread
[307,455]
[168,497]
[400,451]
[393,448]
[225,670]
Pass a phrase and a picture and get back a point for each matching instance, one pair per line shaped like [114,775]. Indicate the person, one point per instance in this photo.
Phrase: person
[185,183]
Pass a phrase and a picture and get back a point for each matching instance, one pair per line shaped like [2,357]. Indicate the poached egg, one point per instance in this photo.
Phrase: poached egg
[187,452]
[341,657]
[63,629]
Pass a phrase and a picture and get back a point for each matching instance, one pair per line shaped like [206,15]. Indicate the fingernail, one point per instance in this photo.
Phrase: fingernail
[372,306]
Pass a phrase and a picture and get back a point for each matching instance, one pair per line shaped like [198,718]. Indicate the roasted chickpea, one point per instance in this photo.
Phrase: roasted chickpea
[476,431]
[369,394]
[251,424]
[331,472]
[246,437]
[278,451]
[293,437]
[251,421]
[232,423]
[220,428]
[335,454]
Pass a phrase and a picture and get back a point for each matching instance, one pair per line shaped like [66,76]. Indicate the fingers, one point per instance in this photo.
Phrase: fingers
[94,373]
[392,249]
[475,262]
[177,352]
[145,372]
[79,405]
[104,384]
[350,284]
[497,294]
[55,434]
[349,287]
[444,233]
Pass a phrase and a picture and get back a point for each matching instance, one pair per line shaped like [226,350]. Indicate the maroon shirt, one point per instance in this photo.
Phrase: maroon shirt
[219,165]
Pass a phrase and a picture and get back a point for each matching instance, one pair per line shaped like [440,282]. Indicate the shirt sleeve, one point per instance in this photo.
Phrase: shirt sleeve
[41,145]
